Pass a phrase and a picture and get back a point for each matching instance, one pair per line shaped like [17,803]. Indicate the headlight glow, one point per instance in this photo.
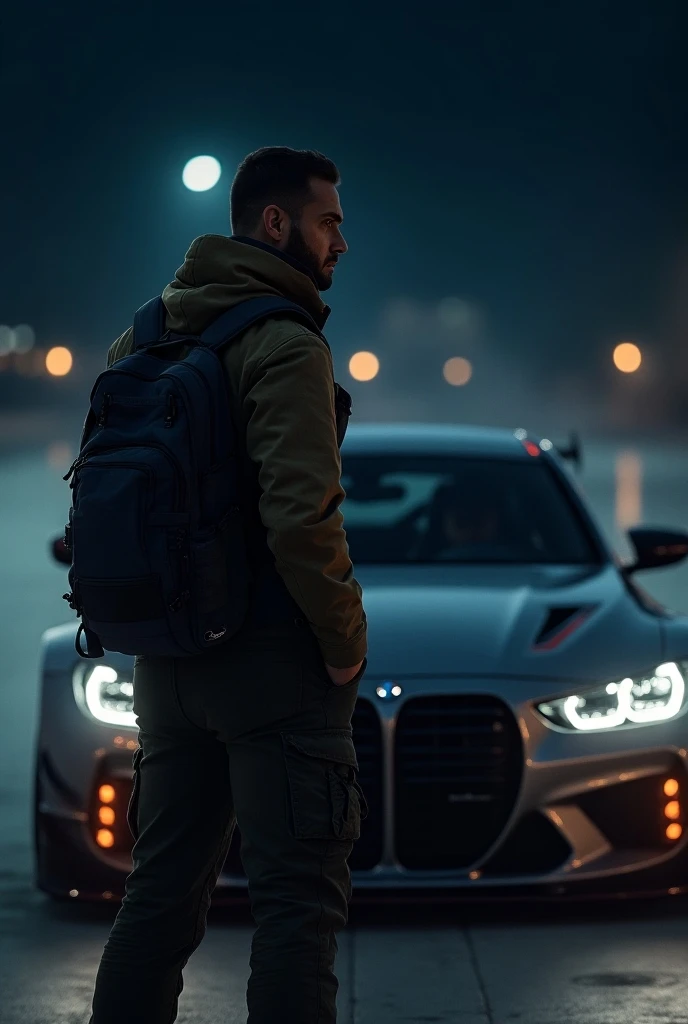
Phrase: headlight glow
[102,693]
[640,701]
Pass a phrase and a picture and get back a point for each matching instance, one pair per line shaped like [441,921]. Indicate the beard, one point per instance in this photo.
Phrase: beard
[298,249]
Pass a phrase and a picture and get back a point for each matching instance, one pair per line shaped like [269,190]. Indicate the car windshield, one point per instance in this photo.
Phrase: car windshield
[404,509]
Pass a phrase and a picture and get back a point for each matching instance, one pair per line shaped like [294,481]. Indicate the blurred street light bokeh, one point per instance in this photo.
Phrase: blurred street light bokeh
[364,366]
[59,361]
[457,371]
[201,173]
[627,357]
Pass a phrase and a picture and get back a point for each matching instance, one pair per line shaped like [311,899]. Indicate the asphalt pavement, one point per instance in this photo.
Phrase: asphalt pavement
[620,963]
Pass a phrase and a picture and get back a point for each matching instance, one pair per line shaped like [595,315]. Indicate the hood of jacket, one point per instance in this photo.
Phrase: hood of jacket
[219,272]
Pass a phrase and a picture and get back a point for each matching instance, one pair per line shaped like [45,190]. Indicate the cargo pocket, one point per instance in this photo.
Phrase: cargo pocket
[326,800]
[133,806]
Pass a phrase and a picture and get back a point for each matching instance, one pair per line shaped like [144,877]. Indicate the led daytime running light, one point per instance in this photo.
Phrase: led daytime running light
[628,709]
[88,691]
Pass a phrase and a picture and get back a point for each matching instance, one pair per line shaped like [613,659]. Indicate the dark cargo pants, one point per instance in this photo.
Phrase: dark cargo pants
[254,733]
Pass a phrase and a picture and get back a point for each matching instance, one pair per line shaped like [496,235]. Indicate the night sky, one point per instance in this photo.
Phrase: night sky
[530,158]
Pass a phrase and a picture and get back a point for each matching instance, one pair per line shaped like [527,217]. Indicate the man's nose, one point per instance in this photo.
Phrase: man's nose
[340,245]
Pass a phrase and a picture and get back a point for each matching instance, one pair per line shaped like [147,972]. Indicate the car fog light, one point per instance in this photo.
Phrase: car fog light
[106,816]
[105,838]
[102,693]
[673,810]
[643,700]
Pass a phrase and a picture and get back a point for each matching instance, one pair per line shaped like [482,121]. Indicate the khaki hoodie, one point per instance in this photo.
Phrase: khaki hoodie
[281,384]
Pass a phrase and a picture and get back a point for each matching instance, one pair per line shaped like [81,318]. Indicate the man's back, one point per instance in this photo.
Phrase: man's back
[281,385]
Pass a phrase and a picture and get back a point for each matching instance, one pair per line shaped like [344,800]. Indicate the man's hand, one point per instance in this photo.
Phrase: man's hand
[342,676]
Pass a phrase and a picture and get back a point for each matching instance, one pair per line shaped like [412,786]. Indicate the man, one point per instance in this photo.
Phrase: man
[258,731]
[471,520]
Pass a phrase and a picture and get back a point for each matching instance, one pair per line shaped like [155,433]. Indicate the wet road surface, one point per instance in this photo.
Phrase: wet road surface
[623,963]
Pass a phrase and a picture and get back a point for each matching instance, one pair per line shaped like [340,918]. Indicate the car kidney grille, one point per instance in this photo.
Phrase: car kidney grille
[368,743]
[458,762]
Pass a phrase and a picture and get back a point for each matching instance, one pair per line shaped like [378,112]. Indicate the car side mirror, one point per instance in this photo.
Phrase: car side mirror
[655,548]
[60,552]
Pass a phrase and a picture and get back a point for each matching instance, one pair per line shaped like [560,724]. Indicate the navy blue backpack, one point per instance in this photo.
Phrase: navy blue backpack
[159,563]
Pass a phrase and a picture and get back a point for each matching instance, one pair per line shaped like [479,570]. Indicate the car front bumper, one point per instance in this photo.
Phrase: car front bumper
[472,796]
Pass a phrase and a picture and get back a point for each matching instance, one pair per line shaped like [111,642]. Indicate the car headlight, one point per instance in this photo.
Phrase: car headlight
[104,694]
[656,697]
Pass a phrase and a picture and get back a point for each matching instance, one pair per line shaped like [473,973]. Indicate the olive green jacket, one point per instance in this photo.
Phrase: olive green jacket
[280,376]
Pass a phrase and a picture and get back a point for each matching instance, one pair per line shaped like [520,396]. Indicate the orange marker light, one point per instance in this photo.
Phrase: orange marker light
[106,816]
[674,831]
[670,787]
[105,838]
[106,794]
[673,809]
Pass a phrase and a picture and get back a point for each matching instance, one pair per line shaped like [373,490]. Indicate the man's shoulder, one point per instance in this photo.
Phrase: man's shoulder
[278,334]
[276,349]
[259,343]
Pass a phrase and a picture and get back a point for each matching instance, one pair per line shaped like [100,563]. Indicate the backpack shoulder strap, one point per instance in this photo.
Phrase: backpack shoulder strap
[235,321]
[149,323]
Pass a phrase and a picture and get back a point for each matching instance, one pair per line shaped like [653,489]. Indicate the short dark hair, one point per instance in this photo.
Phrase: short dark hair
[276,174]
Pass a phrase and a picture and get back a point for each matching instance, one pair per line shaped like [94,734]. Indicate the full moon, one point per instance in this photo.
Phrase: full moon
[201,173]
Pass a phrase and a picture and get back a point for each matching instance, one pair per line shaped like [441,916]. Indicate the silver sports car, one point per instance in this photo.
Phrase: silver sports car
[521,729]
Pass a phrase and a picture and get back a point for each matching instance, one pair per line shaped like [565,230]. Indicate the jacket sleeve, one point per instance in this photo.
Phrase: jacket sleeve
[291,437]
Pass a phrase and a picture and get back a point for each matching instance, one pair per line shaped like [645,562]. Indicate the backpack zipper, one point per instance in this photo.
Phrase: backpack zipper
[178,383]
[211,406]
[179,473]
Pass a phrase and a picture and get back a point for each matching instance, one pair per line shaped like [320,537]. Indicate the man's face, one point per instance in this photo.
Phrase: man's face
[315,239]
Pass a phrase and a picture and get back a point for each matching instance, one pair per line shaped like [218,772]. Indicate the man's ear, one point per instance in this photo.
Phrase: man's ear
[276,224]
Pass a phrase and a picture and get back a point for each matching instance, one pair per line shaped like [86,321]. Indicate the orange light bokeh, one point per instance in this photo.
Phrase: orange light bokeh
[105,838]
[627,357]
[59,361]
[671,787]
[106,816]
[457,371]
[674,831]
[673,810]
[364,366]
[106,794]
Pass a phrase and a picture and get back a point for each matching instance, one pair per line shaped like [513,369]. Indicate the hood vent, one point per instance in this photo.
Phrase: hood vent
[559,624]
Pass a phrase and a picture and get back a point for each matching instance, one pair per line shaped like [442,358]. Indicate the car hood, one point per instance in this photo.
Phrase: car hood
[485,621]
[493,621]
